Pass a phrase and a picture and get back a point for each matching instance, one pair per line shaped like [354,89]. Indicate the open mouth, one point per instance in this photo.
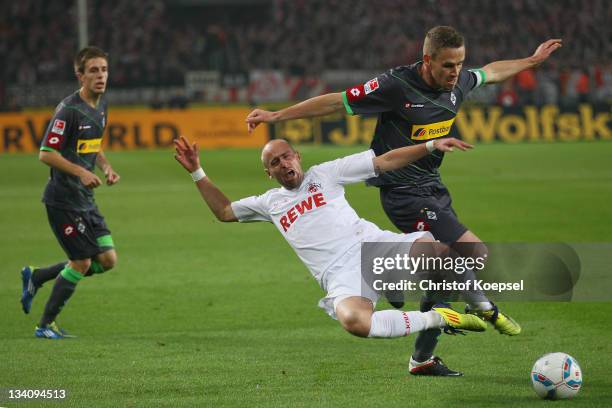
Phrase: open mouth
[290,173]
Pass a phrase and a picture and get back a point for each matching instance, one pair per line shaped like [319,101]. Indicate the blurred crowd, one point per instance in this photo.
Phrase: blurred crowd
[154,42]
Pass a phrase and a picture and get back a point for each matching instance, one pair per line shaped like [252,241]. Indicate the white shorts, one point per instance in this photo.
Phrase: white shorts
[343,279]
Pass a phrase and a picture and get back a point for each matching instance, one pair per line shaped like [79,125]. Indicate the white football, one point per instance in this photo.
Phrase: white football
[556,376]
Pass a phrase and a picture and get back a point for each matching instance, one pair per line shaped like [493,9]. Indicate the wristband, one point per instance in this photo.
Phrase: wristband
[198,175]
[430,146]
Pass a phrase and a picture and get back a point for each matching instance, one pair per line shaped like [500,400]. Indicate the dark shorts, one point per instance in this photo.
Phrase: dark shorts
[82,235]
[423,209]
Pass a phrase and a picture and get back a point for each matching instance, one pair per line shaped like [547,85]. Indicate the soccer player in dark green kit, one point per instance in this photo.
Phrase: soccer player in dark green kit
[415,104]
[72,147]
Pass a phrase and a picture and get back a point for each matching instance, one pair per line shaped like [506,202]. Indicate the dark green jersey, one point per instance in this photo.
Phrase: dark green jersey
[75,131]
[409,112]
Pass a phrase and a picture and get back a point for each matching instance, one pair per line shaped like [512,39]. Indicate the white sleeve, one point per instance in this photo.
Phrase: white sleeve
[251,209]
[351,169]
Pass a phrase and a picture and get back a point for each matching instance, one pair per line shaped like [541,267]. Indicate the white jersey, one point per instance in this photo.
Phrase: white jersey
[315,218]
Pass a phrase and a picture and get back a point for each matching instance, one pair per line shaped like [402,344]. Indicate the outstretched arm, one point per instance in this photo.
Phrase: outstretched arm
[499,71]
[188,155]
[398,158]
[318,106]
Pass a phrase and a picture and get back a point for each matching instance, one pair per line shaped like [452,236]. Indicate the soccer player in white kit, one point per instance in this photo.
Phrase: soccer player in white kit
[310,211]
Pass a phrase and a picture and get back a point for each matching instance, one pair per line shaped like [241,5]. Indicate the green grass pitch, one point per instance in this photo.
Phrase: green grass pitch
[200,313]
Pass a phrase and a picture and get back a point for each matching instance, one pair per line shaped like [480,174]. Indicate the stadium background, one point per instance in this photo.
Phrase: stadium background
[188,55]
[198,312]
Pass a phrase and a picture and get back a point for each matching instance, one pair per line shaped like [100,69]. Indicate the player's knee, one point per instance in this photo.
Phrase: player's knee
[356,322]
[469,245]
[108,260]
[472,249]
[428,246]
[80,265]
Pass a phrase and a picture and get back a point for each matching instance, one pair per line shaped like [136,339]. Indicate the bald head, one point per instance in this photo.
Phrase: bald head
[272,147]
[282,163]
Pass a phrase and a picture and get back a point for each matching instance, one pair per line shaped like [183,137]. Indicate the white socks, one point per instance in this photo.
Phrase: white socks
[395,323]
[433,320]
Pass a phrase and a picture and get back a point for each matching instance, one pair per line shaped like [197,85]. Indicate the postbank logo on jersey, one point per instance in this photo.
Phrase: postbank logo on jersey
[432,130]
[291,216]
[89,145]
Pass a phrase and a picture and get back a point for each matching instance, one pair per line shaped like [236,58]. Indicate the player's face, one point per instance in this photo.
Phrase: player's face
[94,78]
[445,67]
[283,164]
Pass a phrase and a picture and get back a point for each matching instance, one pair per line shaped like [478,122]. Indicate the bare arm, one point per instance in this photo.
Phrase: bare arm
[398,158]
[188,155]
[103,164]
[318,106]
[499,71]
[57,161]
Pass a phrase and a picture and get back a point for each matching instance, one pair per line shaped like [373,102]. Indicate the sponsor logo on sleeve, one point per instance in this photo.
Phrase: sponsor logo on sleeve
[355,93]
[54,140]
[58,126]
[371,86]
[432,130]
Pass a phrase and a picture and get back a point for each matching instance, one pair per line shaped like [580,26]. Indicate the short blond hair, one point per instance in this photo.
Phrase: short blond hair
[441,37]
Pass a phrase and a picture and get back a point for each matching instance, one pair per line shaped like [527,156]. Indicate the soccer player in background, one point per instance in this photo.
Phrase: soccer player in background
[311,212]
[415,104]
[72,147]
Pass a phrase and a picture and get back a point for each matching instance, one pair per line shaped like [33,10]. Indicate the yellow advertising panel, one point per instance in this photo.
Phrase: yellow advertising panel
[548,123]
[142,129]
[225,127]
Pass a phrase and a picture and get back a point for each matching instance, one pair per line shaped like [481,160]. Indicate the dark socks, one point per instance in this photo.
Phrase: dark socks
[427,340]
[425,344]
[42,275]
[64,287]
